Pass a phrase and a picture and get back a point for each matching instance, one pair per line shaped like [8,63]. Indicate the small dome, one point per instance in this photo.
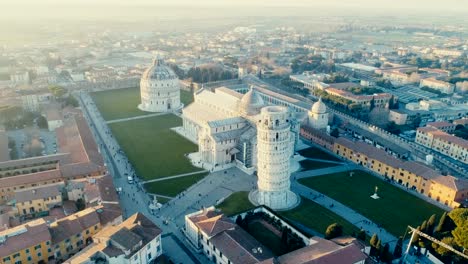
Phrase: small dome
[319,107]
[251,103]
[159,71]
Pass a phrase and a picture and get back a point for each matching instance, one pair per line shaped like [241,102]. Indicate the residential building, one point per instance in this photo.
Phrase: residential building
[20,77]
[444,87]
[443,126]
[136,240]
[40,242]
[26,244]
[440,141]
[380,100]
[54,119]
[397,78]
[30,201]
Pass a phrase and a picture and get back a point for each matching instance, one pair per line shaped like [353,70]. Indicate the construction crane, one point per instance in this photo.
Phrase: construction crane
[416,231]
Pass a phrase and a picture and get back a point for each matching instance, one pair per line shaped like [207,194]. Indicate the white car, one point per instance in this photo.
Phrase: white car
[130,179]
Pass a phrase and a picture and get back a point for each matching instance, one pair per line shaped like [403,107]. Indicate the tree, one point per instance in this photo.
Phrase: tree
[415,237]
[460,234]
[80,204]
[372,103]
[71,101]
[361,235]
[397,252]
[42,122]
[445,223]
[424,226]
[57,91]
[239,220]
[335,132]
[386,256]
[442,250]
[378,248]
[373,243]
[333,230]
[431,224]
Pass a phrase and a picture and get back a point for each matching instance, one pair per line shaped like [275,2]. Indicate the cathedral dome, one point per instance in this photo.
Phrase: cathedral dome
[251,103]
[319,107]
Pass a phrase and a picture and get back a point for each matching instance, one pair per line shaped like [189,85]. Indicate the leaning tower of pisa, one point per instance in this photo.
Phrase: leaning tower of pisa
[274,144]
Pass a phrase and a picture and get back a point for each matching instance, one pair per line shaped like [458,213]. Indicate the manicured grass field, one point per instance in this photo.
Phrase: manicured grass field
[308,213]
[123,103]
[153,148]
[313,165]
[172,187]
[119,103]
[235,203]
[316,153]
[317,217]
[266,237]
[395,210]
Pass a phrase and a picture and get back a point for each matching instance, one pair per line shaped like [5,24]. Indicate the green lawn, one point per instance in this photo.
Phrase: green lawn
[163,200]
[313,165]
[153,148]
[394,210]
[235,203]
[266,237]
[175,186]
[186,97]
[317,217]
[316,153]
[119,103]
[123,103]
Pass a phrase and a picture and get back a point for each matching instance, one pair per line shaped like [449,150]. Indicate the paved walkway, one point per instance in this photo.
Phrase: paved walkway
[347,213]
[134,118]
[318,172]
[325,161]
[175,176]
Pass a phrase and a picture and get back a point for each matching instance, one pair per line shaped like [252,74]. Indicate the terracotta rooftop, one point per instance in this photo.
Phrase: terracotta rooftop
[30,178]
[23,236]
[73,224]
[215,225]
[39,192]
[441,135]
[238,246]
[324,252]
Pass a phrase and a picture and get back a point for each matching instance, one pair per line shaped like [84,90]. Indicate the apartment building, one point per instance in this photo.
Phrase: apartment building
[442,126]
[40,242]
[380,100]
[440,141]
[444,87]
[136,240]
[30,201]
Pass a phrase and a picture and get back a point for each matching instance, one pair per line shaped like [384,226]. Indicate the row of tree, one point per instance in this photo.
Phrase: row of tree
[210,73]
[452,229]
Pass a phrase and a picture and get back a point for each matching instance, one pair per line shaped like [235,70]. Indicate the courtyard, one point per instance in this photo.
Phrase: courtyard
[394,211]
[123,103]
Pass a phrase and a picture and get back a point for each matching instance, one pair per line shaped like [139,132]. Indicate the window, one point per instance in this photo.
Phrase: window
[16,255]
[136,257]
[6,259]
[149,246]
[27,250]
[39,254]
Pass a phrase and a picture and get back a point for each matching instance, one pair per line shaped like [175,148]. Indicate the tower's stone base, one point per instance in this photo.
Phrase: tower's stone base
[280,201]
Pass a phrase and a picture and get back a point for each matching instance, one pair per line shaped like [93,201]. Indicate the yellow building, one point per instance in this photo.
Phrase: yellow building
[452,146]
[73,233]
[448,190]
[26,244]
[38,242]
[39,199]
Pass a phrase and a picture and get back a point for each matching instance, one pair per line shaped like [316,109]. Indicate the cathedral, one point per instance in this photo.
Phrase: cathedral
[243,130]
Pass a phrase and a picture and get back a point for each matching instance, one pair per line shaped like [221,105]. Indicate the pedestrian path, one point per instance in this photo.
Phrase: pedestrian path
[175,176]
[326,161]
[134,118]
[347,213]
[318,172]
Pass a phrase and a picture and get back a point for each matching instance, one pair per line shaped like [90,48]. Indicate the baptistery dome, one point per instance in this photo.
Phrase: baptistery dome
[159,88]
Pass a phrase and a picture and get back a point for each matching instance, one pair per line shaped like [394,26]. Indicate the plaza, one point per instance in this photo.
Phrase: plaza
[394,211]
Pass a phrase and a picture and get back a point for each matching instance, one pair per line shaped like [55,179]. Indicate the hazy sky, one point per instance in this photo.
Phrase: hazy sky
[417,4]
